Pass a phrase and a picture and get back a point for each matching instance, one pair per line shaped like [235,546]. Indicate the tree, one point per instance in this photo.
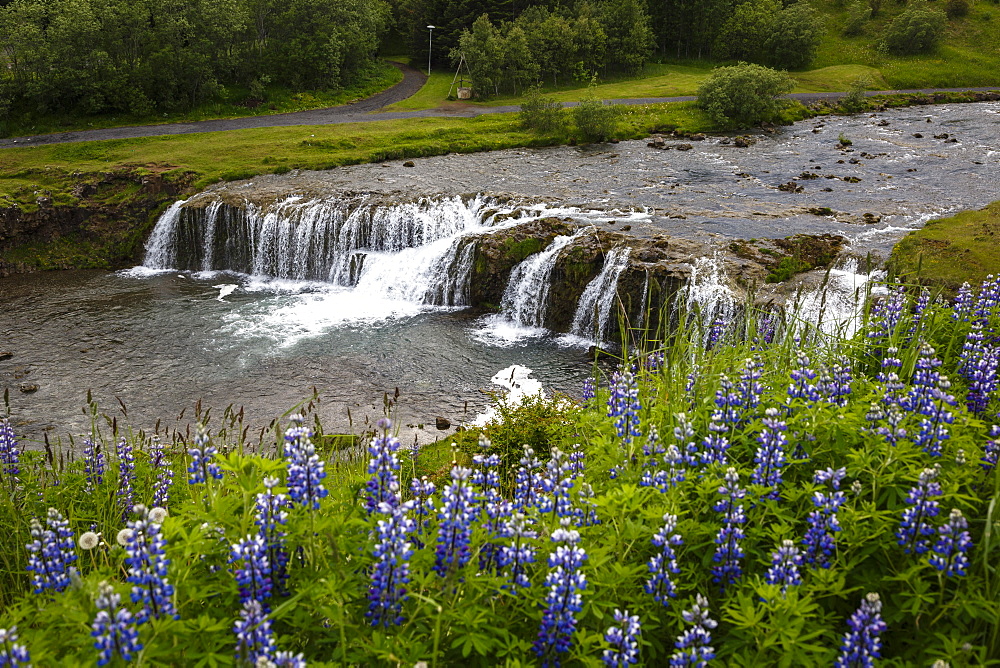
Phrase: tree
[795,37]
[917,30]
[743,95]
[629,34]
[746,30]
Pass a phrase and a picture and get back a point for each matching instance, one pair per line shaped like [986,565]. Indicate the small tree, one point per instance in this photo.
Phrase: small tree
[854,101]
[917,30]
[795,36]
[541,113]
[743,95]
[595,120]
[858,14]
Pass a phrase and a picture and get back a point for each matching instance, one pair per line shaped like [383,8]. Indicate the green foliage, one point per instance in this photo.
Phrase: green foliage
[956,8]
[743,95]
[595,120]
[917,30]
[541,113]
[858,14]
[855,101]
[794,38]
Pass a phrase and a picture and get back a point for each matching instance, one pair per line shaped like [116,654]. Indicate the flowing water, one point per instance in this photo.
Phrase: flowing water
[301,285]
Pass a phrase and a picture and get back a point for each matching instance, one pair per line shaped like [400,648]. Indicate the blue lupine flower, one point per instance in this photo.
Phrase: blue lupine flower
[11,653]
[164,473]
[771,454]
[652,447]
[715,445]
[887,314]
[203,465]
[925,381]
[729,552]
[820,541]
[422,490]
[254,637]
[305,468]
[961,307]
[801,385]
[114,628]
[624,406]
[589,390]
[10,455]
[494,508]
[978,365]
[514,557]
[624,641]
[563,600]
[391,573]
[663,563]
[147,568]
[863,642]
[784,568]
[270,518]
[93,464]
[52,553]
[835,382]
[685,438]
[528,482]
[767,327]
[749,387]
[914,530]
[586,511]
[455,523]
[920,311]
[989,297]
[558,481]
[383,487]
[286,659]
[952,547]
[126,477]
[728,403]
[577,461]
[693,648]
[715,333]
[991,453]
[252,570]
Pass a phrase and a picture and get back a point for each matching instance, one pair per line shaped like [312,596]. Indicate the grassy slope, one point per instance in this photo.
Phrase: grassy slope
[951,251]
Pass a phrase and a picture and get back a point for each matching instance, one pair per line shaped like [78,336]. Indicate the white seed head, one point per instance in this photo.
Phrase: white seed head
[89,540]
[123,537]
[157,515]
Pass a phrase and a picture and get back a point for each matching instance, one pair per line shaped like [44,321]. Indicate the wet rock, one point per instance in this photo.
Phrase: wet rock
[821,211]
[408,163]
[943,135]
[683,147]
[808,176]
[5,355]
[852,179]
[791,187]
[918,135]
[827,190]
[854,161]
[28,388]
[697,136]
[725,141]
[744,142]
[442,423]
[951,141]
[626,228]
[871,218]
[882,123]
[658,142]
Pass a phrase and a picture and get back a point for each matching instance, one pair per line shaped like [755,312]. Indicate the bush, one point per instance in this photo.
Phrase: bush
[794,38]
[595,120]
[858,14]
[956,8]
[917,30]
[541,113]
[743,95]
[854,101]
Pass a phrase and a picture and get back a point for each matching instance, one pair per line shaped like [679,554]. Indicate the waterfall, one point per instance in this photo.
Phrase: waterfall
[708,292]
[836,306]
[526,297]
[594,307]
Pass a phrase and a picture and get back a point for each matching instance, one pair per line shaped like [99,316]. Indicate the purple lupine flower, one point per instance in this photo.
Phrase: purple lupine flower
[254,637]
[10,455]
[715,445]
[933,430]
[624,641]
[455,523]
[93,464]
[961,307]
[514,557]
[114,628]
[126,477]
[147,568]
[391,573]
[886,421]
[586,511]
[422,491]
[888,375]
[690,382]
[270,517]
[252,570]
[11,653]
[863,642]
[771,454]
[693,648]
[978,365]
[528,482]
[924,382]
[887,314]
[835,382]
[652,447]
[767,327]
[164,473]
[728,403]
[577,461]
[914,530]
[305,469]
[495,510]
[952,547]
[920,311]
[589,390]
[624,406]
[989,297]
[685,439]
[820,541]
[203,465]
[729,552]
[663,563]
[383,487]
[749,387]
[801,385]
[51,553]
[563,600]
[654,360]
[559,481]
[715,333]
[784,568]
[286,659]
[991,453]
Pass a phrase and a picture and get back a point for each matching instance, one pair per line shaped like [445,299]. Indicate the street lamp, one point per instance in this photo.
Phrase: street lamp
[430,42]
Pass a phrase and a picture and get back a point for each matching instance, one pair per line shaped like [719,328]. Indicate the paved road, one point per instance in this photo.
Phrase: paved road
[367,110]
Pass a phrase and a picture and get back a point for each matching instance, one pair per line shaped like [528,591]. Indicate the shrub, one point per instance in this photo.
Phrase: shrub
[917,30]
[794,38]
[596,120]
[854,101]
[956,8]
[541,113]
[744,94]
[858,14]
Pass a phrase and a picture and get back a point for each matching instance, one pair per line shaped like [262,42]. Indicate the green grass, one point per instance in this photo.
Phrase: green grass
[952,251]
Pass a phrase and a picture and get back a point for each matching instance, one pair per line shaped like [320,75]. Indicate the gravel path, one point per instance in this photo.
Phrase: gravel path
[367,110]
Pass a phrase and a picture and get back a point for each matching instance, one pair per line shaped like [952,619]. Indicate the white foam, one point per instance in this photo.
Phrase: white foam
[496,330]
[225,290]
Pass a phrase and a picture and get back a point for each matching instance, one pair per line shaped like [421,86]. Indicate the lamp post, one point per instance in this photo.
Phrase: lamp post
[430,43]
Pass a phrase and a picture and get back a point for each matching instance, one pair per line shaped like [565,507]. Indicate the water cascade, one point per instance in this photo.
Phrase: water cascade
[594,308]
[525,301]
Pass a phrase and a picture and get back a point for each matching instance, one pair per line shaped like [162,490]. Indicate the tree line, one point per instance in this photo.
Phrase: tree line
[140,56]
